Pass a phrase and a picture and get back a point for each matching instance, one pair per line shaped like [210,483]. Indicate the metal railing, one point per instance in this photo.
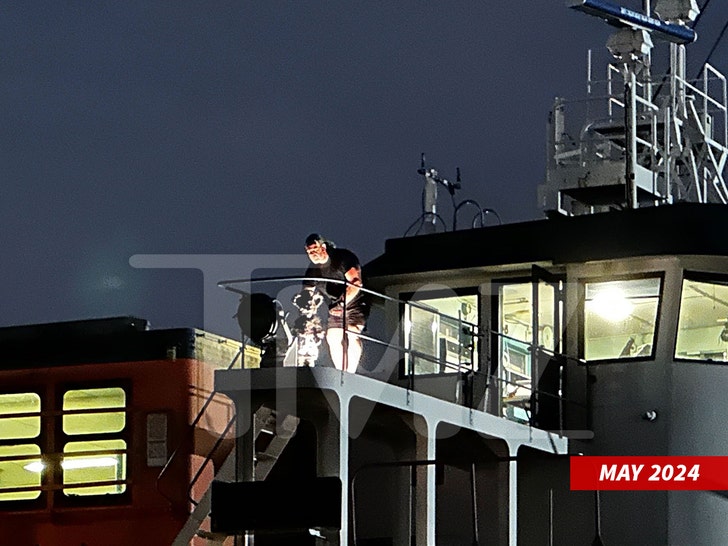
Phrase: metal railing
[399,353]
[550,380]
[188,438]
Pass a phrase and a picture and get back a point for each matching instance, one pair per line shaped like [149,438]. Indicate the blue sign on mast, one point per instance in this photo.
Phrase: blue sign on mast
[624,17]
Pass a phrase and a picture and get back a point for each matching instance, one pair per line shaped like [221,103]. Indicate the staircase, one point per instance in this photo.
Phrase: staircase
[271,438]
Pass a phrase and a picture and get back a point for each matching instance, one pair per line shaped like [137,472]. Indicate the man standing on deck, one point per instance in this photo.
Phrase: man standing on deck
[339,264]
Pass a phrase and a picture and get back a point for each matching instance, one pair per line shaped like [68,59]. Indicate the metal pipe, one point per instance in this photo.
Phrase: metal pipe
[597,521]
[630,126]
[551,516]
[474,497]
[413,506]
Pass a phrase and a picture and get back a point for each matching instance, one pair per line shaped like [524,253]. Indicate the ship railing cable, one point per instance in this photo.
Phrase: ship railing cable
[229,285]
[208,459]
[410,373]
[554,392]
[465,369]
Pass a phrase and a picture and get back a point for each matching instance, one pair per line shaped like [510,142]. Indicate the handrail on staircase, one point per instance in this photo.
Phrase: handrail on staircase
[192,426]
[208,458]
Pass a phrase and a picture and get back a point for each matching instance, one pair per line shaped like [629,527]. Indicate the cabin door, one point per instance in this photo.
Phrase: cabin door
[549,367]
[529,325]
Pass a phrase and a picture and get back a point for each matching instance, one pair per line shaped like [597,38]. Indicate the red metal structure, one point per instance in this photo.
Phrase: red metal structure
[108,430]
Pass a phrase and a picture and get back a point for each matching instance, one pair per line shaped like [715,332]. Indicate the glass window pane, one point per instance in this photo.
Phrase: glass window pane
[442,333]
[94,423]
[19,427]
[22,473]
[422,335]
[546,316]
[620,318]
[703,323]
[529,319]
[515,319]
[516,309]
[90,468]
[516,312]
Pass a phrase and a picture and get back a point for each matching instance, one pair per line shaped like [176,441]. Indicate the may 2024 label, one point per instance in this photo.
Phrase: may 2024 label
[648,473]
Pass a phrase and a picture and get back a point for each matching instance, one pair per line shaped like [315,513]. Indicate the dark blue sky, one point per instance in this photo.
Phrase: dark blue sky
[176,127]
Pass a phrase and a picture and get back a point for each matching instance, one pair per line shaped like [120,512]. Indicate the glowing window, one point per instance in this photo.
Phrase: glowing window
[16,472]
[96,420]
[620,318]
[19,422]
[439,331]
[15,423]
[95,462]
[702,331]
[90,422]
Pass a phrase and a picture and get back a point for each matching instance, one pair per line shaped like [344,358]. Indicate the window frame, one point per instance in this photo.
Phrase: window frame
[61,497]
[497,328]
[498,338]
[41,441]
[52,440]
[582,315]
[698,276]
[407,297]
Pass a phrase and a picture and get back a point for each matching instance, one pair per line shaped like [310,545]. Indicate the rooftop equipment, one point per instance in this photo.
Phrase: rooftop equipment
[640,139]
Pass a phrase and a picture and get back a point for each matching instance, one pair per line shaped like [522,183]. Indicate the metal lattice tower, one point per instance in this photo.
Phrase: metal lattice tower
[641,139]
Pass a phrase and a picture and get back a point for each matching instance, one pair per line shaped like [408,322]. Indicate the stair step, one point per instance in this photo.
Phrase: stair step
[214,538]
[276,437]
[267,458]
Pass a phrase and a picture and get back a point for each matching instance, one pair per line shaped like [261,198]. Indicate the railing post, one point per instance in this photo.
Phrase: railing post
[345,337]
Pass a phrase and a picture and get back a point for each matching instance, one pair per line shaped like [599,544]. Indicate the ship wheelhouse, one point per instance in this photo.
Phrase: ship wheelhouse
[608,329]
[490,358]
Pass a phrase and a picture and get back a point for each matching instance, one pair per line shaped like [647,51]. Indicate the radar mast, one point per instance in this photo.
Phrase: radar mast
[639,139]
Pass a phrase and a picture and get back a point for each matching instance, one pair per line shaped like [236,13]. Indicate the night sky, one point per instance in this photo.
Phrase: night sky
[237,128]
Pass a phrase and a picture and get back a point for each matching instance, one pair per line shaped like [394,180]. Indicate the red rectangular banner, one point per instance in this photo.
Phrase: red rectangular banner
[648,473]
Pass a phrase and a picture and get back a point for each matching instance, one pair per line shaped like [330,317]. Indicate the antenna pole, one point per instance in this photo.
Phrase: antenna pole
[630,125]
[429,199]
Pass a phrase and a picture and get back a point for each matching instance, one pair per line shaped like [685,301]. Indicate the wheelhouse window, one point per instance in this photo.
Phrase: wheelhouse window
[439,334]
[702,331]
[620,318]
[527,336]
[94,420]
[20,428]
[76,447]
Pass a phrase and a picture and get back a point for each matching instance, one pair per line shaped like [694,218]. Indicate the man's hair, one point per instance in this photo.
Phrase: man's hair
[315,238]
[318,238]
